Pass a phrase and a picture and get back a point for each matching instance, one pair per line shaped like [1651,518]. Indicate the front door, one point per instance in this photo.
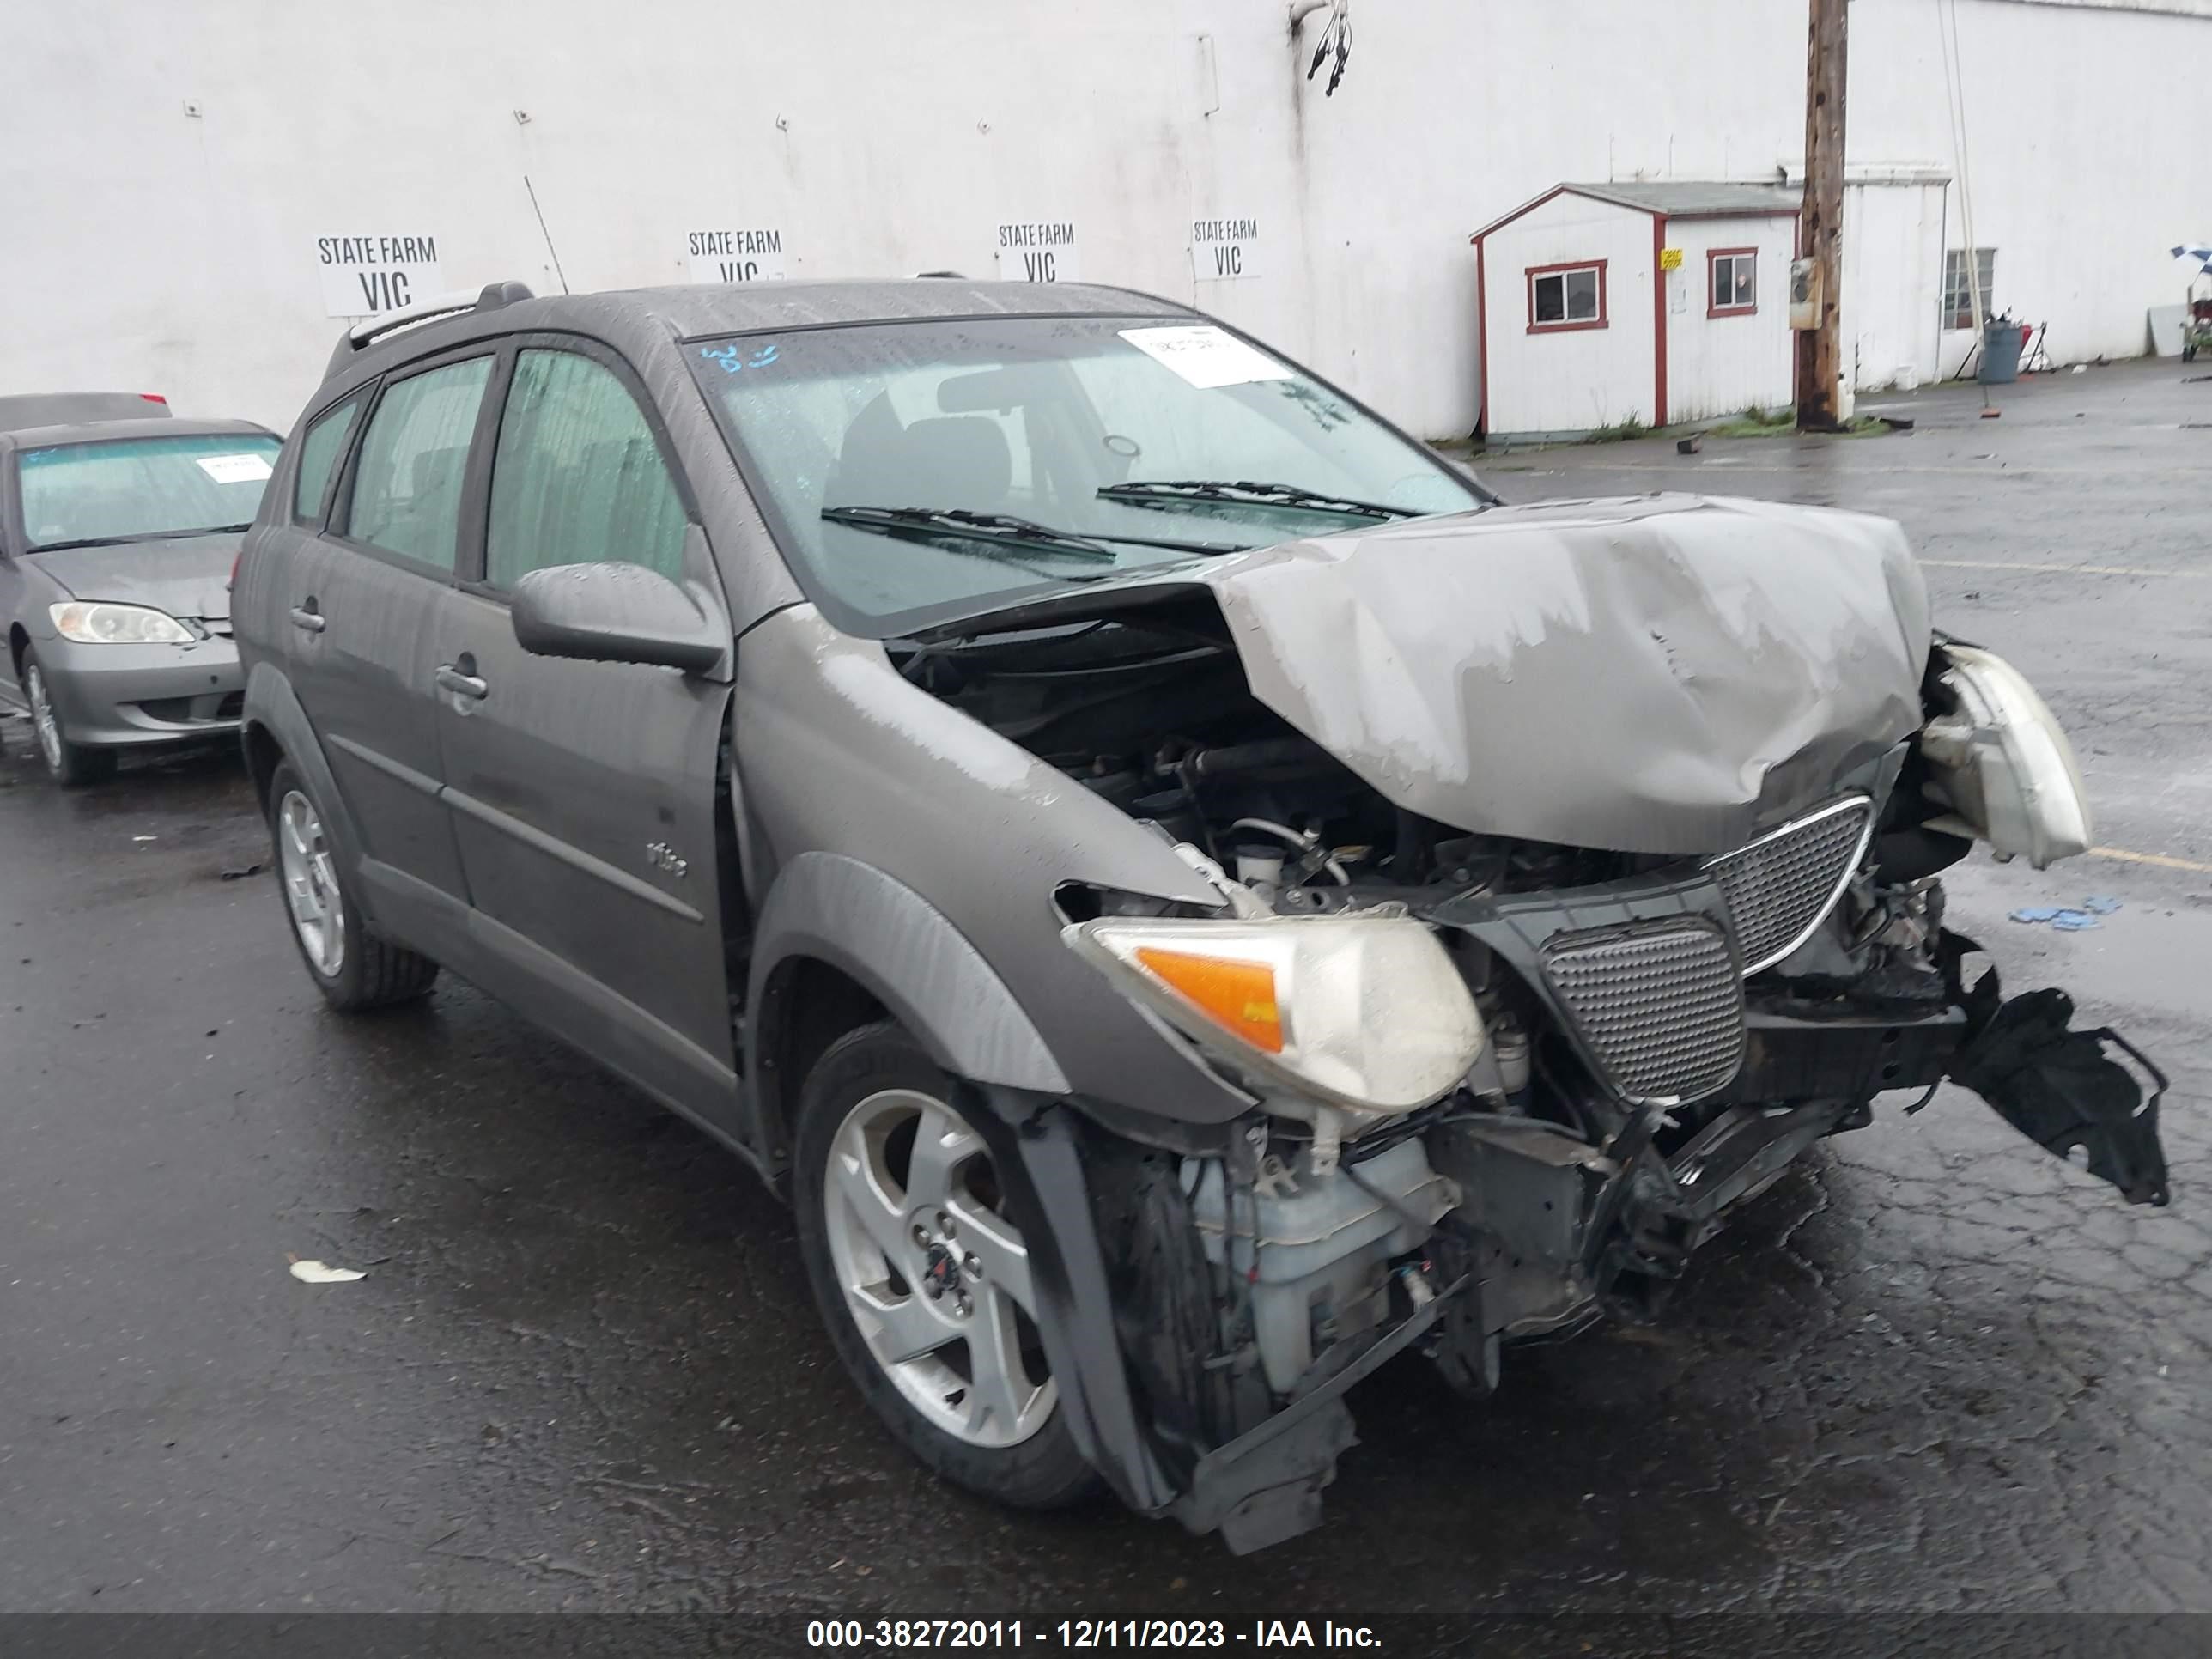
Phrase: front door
[582,795]
[359,601]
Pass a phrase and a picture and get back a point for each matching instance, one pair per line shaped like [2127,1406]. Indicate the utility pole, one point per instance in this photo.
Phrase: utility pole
[1821,222]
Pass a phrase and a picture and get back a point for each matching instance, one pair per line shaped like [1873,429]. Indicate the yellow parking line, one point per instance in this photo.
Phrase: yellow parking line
[2159,859]
[2058,570]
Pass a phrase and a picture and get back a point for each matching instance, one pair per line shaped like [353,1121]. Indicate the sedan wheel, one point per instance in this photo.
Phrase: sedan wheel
[42,716]
[310,884]
[936,1279]
[72,765]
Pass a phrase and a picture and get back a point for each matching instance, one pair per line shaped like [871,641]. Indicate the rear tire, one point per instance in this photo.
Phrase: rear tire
[351,967]
[871,1103]
[72,765]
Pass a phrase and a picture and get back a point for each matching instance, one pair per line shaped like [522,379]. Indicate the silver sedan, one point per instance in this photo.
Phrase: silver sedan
[117,540]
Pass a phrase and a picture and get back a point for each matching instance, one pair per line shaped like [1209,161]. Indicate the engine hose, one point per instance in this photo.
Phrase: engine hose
[1303,844]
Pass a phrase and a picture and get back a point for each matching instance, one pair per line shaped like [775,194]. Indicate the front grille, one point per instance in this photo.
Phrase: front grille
[1659,1005]
[1779,887]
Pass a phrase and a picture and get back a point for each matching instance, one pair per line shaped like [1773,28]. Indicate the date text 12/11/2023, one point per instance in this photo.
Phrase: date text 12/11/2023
[874,1635]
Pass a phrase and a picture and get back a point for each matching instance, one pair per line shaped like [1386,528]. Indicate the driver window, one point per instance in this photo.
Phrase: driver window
[577,478]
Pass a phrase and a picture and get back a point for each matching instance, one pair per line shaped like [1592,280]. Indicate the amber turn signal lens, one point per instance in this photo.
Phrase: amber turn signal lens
[1239,995]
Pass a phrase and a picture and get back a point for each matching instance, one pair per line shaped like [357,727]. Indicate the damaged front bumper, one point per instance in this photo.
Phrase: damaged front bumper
[1205,1307]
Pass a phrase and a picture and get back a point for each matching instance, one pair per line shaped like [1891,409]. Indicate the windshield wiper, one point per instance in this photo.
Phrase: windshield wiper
[1241,492]
[141,535]
[954,524]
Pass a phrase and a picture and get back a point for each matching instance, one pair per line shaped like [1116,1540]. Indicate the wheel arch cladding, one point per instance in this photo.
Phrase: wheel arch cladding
[837,927]
[272,709]
[264,754]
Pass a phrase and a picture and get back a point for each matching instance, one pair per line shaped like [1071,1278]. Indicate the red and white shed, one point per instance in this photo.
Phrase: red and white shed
[1651,302]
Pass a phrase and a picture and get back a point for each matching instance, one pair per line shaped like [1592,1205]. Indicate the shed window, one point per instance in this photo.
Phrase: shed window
[1958,294]
[1734,284]
[1566,297]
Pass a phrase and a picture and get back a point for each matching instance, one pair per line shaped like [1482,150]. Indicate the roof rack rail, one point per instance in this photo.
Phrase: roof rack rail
[491,297]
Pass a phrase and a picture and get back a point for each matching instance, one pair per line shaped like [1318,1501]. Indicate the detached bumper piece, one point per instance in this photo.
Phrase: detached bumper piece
[2057,1085]
[1265,1485]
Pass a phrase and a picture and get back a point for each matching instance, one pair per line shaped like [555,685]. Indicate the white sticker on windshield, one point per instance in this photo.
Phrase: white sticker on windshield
[1206,356]
[235,468]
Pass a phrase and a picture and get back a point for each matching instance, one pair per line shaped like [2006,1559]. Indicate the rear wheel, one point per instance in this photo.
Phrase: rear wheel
[352,967]
[72,765]
[924,1283]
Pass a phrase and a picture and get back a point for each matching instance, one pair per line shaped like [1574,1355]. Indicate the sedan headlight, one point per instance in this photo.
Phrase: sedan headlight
[117,624]
[1999,761]
[1365,1011]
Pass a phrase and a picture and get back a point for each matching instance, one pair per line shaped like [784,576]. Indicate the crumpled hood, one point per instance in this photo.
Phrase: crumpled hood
[185,576]
[1665,674]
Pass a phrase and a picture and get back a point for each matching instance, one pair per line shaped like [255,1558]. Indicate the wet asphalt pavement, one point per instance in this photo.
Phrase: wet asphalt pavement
[1932,1369]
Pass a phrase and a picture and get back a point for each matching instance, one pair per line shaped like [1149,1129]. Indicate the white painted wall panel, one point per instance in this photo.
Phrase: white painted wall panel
[1719,366]
[1576,378]
[1893,281]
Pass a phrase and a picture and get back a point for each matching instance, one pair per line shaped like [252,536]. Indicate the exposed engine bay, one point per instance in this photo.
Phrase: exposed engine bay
[1655,1036]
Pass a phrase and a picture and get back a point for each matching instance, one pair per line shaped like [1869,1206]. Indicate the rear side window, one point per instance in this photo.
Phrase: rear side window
[577,478]
[407,483]
[319,458]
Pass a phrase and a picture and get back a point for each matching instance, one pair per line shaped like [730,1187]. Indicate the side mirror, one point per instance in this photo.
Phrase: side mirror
[616,613]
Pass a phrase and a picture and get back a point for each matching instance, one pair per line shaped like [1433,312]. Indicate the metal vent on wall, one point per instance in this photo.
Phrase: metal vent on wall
[1659,1005]
[1780,887]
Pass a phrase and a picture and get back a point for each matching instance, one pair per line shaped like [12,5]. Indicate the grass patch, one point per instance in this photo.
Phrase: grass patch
[1620,432]
[1779,422]
[1756,423]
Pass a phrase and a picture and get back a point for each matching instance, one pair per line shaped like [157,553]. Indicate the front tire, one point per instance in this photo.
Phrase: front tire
[351,967]
[923,1283]
[72,765]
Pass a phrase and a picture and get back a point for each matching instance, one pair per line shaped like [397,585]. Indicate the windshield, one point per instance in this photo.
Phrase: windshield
[1076,449]
[123,489]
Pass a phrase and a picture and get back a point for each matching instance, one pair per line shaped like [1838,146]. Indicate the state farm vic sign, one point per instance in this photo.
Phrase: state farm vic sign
[367,275]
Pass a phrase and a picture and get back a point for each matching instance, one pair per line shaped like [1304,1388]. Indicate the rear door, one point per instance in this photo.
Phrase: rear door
[357,604]
[582,795]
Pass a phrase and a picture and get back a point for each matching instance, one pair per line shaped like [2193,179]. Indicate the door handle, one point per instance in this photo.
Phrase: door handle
[307,619]
[451,678]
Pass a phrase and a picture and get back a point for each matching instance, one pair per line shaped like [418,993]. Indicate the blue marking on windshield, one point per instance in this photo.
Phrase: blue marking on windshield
[733,358]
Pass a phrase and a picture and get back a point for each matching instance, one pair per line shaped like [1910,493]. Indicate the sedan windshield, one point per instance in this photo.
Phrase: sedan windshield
[123,489]
[915,472]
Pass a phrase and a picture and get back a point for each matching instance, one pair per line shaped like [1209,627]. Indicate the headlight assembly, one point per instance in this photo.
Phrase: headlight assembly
[1363,1011]
[117,624]
[1999,761]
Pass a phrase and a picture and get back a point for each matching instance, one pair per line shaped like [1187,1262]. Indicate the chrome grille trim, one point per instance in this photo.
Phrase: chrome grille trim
[1781,887]
[1658,1005]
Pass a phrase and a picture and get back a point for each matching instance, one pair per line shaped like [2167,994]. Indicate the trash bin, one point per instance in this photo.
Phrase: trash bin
[2001,343]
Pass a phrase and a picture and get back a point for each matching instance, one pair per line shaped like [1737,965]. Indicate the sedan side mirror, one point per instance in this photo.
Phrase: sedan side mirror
[617,613]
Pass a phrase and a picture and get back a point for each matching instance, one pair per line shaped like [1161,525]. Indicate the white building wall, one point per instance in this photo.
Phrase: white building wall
[1724,365]
[2080,146]
[147,246]
[150,248]
[1571,379]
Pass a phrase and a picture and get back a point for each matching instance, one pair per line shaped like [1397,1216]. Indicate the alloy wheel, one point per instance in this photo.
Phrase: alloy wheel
[310,884]
[937,1279]
[43,717]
